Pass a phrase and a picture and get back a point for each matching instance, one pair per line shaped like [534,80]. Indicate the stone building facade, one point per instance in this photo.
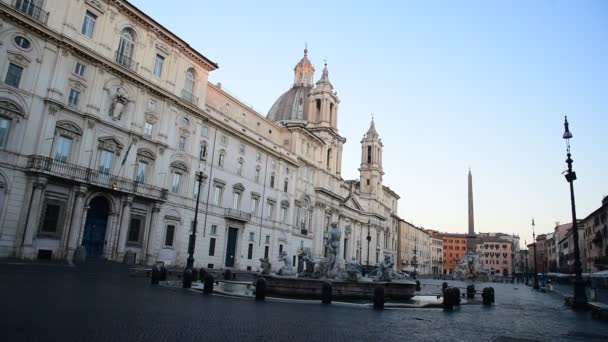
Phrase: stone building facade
[414,249]
[497,255]
[106,117]
[454,248]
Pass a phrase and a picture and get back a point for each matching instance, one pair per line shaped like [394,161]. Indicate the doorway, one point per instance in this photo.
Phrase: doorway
[94,235]
[231,246]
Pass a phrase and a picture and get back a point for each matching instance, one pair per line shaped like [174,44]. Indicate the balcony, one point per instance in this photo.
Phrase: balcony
[56,168]
[237,215]
[29,8]
[126,61]
[189,97]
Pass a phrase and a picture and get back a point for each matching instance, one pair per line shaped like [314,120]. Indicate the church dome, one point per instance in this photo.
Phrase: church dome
[292,105]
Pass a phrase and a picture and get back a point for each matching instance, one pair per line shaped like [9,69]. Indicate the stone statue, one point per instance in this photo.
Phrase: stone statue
[265,266]
[119,105]
[333,245]
[352,270]
[384,271]
[286,269]
[307,262]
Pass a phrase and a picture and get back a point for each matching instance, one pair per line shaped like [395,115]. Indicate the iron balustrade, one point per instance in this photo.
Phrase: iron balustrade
[237,215]
[31,9]
[189,97]
[126,61]
[63,169]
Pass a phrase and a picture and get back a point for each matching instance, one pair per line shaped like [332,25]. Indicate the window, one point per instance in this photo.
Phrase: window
[182,143]
[236,200]
[169,234]
[369,154]
[250,251]
[134,230]
[13,75]
[62,149]
[257,174]
[254,205]
[251,236]
[74,97]
[220,160]
[205,131]
[224,140]
[142,169]
[148,129]
[270,209]
[272,181]
[273,164]
[328,157]
[158,65]
[258,156]
[5,125]
[189,82]
[196,187]
[266,252]
[22,42]
[203,154]
[51,218]
[177,178]
[213,229]
[242,148]
[217,195]
[124,55]
[105,161]
[212,247]
[285,185]
[239,168]
[367,181]
[88,24]
[80,69]
[283,214]
[267,239]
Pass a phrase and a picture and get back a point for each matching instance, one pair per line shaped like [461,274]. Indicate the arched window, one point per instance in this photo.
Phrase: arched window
[220,160]
[240,164]
[189,83]
[124,55]
[328,156]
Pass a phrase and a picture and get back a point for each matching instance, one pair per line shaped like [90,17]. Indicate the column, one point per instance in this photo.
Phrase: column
[109,239]
[153,238]
[27,250]
[124,227]
[75,225]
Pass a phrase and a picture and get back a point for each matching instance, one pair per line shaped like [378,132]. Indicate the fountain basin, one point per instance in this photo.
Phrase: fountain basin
[312,288]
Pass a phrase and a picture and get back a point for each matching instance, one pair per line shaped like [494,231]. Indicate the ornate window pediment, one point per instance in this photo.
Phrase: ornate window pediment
[238,187]
[162,48]
[68,128]
[285,203]
[10,109]
[151,118]
[96,5]
[146,154]
[18,58]
[179,165]
[110,144]
[77,84]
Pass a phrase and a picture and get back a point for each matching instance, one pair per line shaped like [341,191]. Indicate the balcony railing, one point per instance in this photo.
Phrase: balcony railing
[189,97]
[237,215]
[90,176]
[126,61]
[31,9]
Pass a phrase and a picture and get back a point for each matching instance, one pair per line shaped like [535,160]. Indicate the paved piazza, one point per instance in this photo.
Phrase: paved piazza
[100,302]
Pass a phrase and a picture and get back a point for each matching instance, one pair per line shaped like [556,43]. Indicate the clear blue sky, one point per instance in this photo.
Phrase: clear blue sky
[452,84]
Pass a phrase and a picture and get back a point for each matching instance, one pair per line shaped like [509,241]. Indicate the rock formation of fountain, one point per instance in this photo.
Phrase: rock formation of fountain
[471,268]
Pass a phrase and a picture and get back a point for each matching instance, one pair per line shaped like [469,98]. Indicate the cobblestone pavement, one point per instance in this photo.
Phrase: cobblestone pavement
[100,302]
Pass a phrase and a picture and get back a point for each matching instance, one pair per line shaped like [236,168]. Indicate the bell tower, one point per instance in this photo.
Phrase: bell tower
[323,105]
[370,171]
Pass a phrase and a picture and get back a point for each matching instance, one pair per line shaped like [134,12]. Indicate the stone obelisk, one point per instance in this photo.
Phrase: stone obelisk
[471,239]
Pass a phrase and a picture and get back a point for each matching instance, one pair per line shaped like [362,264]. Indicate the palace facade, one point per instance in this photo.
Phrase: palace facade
[106,118]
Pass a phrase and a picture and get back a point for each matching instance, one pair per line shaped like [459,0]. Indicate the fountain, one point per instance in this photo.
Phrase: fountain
[346,280]
[471,268]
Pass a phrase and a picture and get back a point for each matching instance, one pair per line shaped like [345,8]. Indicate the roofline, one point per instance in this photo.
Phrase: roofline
[213,65]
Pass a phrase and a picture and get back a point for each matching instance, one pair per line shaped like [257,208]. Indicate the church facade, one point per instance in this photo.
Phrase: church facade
[106,118]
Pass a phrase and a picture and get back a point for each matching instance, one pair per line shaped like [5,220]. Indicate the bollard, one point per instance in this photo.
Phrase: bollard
[487,295]
[187,281]
[471,291]
[227,275]
[194,275]
[448,298]
[418,287]
[260,289]
[326,293]
[379,297]
[208,284]
[155,277]
[444,286]
[163,273]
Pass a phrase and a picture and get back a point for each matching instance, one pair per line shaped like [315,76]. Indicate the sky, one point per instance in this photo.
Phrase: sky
[451,85]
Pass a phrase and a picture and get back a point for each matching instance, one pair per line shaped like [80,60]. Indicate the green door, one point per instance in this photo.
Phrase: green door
[231,247]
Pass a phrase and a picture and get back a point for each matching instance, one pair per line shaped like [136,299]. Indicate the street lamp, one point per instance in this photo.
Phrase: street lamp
[192,240]
[527,271]
[415,259]
[369,238]
[580,297]
[535,285]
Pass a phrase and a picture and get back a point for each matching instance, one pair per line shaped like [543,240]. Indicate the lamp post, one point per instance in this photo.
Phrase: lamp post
[192,240]
[369,238]
[526,269]
[415,259]
[580,297]
[535,285]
